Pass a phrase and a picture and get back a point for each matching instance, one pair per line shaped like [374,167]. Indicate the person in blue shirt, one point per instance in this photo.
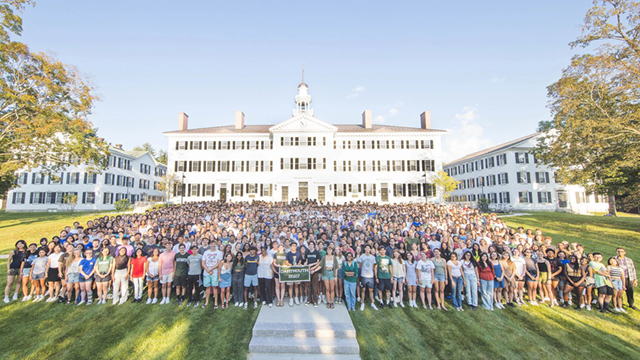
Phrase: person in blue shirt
[87,268]
[294,257]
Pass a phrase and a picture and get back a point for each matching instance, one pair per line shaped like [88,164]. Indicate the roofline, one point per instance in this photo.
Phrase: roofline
[484,152]
[189,131]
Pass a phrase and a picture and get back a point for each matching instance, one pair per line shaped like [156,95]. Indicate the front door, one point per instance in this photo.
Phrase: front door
[562,199]
[303,190]
[321,194]
[384,191]
[285,193]
[223,194]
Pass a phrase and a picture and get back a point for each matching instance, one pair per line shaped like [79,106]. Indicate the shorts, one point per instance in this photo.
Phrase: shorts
[105,279]
[367,282]
[426,283]
[37,276]
[440,277]
[530,279]
[398,279]
[26,272]
[52,275]
[498,284]
[543,278]
[384,284]
[605,290]
[13,272]
[166,279]
[340,274]
[89,279]
[73,278]
[153,278]
[617,284]
[329,275]
[250,280]
[209,280]
[180,280]
[589,281]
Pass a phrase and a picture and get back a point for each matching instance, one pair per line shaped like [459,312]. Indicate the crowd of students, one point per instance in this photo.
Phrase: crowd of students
[382,255]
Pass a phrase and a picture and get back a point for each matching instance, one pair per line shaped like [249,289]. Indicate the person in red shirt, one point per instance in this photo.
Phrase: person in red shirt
[487,275]
[137,269]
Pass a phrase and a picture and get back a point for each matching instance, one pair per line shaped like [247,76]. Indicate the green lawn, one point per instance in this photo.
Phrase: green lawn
[44,330]
[515,333]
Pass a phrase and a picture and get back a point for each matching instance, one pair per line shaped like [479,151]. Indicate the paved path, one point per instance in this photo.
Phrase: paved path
[304,332]
[4,256]
[516,214]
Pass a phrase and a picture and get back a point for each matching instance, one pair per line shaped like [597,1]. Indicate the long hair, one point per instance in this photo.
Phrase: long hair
[481,263]
[237,260]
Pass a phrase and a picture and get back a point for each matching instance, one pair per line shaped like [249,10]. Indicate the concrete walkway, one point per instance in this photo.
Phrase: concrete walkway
[304,331]
[516,214]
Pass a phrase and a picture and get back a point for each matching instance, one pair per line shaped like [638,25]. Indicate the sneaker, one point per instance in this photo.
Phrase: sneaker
[271,305]
[570,302]
[401,304]
[81,302]
[458,309]
[245,306]
[395,304]
[588,307]
[50,299]
[189,303]
[255,305]
[533,302]
[15,296]
[148,301]
[91,302]
[265,303]
[26,298]
[373,306]
[389,306]
[362,307]
[622,310]
[155,300]
[358,299]
[616,310]
[6,300]
[297,301]
[290,302]
[196,304]
[241,304]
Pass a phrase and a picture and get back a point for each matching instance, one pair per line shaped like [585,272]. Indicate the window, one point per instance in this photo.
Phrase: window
[522,158]
[237,189]
[398,190]
[209,165]
[180,166]
[224,145]
[503,178]
[73,178]
[194,190]
[525,197]
[265,189]
[223,166]
[544,197]
[90,178]
[181,145]
[18,197]
[491,180]
[493,198]
[504,198]
[107,198]
[208,145]
[339,189]
[88,198]
[238,166]
[397,165]
[542,177]
[37,179]
[208,190]
[581,198]
[413,189]
[524,177]
[501,159]
[369,189]
[413,165]
[109,179]
[252,188]
[490,162]
[22,179]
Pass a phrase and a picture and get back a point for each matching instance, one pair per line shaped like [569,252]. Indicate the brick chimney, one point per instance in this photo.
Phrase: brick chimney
[425,120]
[239,120]
[119,146]
[366,119]
[183,121]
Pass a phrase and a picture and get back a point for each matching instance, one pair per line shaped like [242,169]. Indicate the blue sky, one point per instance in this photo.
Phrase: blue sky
[480,67]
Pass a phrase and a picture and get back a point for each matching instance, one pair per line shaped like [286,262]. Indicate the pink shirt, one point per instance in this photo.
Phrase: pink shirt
[166,259]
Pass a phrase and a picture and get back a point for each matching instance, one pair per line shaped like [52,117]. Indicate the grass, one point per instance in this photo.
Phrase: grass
[515,333]
[45,330]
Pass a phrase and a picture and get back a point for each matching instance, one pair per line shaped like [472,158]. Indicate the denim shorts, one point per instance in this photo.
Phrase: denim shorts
[440,277]
[617,284]
[73,278]
[250,280]
[398,279]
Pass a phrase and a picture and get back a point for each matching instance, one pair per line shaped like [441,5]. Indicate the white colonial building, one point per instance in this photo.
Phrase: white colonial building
[509,175]
[134,175]
[304,157]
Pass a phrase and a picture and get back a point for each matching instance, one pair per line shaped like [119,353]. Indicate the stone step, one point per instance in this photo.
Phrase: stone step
[298,345]
[281,356]
[304,330]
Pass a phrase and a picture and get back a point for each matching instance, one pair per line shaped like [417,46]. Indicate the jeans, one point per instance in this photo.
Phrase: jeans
[456,292]
[350,294]
[121,285]
[487,293]
[237,282]
[471,288]
[138,285]
[265,289]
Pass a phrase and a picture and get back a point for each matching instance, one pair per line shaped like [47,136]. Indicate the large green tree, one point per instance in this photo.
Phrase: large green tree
[593,137]
[44,106]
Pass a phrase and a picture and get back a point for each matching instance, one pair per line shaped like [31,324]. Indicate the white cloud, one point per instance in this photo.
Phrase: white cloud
[496,80]
[466,136]
[393,112]
[379,119]
[355,92]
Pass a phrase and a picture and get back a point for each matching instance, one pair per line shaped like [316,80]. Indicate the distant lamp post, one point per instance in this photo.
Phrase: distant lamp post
[425,186]
[182,190]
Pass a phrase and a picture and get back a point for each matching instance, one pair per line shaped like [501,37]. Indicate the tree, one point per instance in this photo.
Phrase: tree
[44,105]
[69,202]
[162,157]
[123,205]
[593,138]
[146,147]
[168,182]
[445,184]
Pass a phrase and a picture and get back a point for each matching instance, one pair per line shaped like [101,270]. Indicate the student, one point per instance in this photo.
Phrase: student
[180,271]
[238,279]
[544,278]
[509,273]
[630,277]
[487,276]
[366,264]
[224,274]
[350,270]
[328,266]
[265,277]
[471,279]
[153,277]
[589,282]
[615,274]
[520,276]
[411,279]
[531,274]
[383,273]
[425,274]
[87,269]
[137,270]
[398,278]
[195,261]
[13,270]
[555,275]
[574,276]
[104,269]
[38,273]
[53,273]
[313,258]
[121,277]
[340,275]
[166,268]
[25,269]
[251,277]
[440,277]
[456,278]
[498,283]
[73,275]
[602,279]
[211,261]
[294,258]
[280,259]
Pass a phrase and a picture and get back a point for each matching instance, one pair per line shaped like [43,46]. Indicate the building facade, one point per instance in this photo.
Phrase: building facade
[304,157]
[133,175]
[508,175]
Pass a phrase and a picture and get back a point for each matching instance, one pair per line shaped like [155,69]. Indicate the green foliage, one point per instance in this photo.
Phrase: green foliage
[44,107]
[123,205]
[445,184]
[162,157]
[69,202]
[483,204]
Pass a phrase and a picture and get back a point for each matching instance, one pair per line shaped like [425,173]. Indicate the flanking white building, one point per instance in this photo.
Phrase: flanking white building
[304,157]
[134,175]
[509,175]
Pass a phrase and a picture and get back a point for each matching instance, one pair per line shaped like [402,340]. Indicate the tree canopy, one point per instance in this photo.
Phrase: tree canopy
[44,108]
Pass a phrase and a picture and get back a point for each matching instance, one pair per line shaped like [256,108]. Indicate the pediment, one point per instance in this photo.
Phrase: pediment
[304,123]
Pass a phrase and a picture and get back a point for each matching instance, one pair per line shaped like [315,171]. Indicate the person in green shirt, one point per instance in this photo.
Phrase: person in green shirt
[383,273]
[350,270]
[104,268]
[180,268]
[603,282]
